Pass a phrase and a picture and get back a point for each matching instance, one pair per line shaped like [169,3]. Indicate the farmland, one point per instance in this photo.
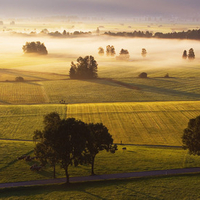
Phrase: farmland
[147,115]
[151,123]
[175,187]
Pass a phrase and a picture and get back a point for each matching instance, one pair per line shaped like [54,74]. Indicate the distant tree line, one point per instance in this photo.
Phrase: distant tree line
[190,34]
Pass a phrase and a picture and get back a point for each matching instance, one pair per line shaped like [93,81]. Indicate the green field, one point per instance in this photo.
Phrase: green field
[135,158]
[166,188]
[153,123]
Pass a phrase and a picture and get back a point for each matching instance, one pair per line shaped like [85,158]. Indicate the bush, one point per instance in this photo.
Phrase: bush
[19,79]
[166,75]
[143,75]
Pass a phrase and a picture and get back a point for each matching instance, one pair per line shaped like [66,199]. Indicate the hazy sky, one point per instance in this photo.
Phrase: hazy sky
[34,8]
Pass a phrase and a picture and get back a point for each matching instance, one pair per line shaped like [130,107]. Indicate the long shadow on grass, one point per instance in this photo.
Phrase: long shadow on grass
[111,82]
[20,73]
[4,102]
[166,91]
[13,162]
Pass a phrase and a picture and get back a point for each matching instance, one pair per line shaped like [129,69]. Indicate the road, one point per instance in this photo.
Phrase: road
[102,177]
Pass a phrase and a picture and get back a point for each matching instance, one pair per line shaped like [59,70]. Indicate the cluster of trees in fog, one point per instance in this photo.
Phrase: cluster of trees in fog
[85,68]
[35,47]
[123,54]
[190,55]
[190,34]
[70,142]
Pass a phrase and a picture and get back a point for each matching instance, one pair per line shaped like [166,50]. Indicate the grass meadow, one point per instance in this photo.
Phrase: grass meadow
[135,158]
[152,123]
[168,188]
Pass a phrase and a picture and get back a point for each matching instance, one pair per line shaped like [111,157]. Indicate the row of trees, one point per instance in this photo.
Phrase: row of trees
[70,142]
[190,34]
[123,54]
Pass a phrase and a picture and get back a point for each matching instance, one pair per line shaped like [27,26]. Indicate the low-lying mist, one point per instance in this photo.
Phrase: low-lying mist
[160,52]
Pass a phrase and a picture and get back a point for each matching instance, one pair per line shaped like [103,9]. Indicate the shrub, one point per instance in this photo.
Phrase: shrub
[19,79]
[143,75]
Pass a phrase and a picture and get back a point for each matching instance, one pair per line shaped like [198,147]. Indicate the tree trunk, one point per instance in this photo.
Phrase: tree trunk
[67,175]
[92,172]
[54,171]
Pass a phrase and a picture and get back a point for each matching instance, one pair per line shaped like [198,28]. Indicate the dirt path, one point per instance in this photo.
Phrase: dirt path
[102,177]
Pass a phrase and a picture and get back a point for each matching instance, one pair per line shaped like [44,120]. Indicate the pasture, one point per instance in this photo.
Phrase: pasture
[135,158]
[152,123]
[168,188]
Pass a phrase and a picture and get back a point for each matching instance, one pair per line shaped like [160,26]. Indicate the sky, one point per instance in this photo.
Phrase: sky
[100,8]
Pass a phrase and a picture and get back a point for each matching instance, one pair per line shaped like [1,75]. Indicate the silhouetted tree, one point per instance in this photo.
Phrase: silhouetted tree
[184,56]
[191,55]
[110,50]
[101,51]
[35,47]
[99,139]
[144,52]
[44,150]
[61,141]
[191,136]
[85,68]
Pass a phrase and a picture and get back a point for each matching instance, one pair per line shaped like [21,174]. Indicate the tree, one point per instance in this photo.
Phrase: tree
[85,68]
[35,47]
[61,141]
[110,50]
[184,56]
[99,139]
[123,55]
[191,136]
[44,150]
[144,52]
[70,143]
[191,55]
[101,51]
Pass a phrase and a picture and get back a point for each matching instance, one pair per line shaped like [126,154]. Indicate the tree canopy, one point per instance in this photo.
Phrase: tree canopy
[101,51]
[35,47]
[99,139]
[191,136]
[184,56]
[144,52]
[191,55]
[70,142]
[85,68]
[110,50]
[61,141]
